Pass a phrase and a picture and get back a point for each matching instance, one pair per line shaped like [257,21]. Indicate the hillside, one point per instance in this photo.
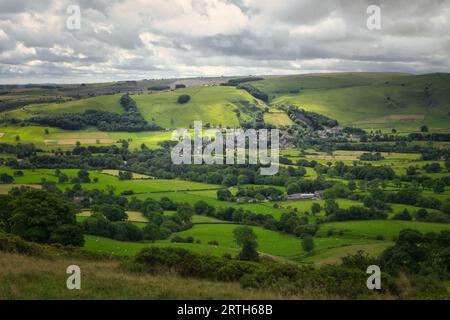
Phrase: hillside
[372,101]
[367,100]
[108,103]
[24,277]
[215,105]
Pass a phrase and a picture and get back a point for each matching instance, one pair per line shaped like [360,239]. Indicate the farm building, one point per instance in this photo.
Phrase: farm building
[305,196]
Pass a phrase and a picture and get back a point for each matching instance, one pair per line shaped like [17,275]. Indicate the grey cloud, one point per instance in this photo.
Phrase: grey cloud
[126,39]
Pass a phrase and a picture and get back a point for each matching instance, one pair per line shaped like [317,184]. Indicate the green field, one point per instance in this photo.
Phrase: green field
[214,105]
[277,119]
[270,242]
[373,228]
[367,100]
[66,139]
[109,103]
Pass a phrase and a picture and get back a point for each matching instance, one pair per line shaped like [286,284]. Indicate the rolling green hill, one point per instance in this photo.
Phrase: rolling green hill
[215,105]
[108,103]
[368,100]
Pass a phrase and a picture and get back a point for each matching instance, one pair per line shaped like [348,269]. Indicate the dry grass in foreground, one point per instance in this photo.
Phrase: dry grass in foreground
[24,277]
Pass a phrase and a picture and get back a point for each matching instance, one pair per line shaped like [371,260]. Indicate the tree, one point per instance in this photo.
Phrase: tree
[404,215]
[184,98]
[292,188]
[83,175]
[224,194]
[445,208]
[68,234]
[423,128]
[308,243]
[439,187]
[6,178]
[229,180]
[126,175]
[246,239]
[112,212]
[42,216]
[151,232]
[315,208]
[422,214]
[203,208]
[331,206]
[6,213]
[411,171]
[63,178]
[185,212]
[352,185]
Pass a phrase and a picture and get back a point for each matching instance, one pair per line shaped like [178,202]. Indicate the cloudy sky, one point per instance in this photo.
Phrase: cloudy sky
[141,39]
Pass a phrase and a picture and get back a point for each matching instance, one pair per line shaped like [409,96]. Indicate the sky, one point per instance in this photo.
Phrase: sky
[46,41]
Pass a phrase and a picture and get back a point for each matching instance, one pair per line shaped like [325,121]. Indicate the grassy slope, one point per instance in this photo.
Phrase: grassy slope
[373,228]
[103,103]
[361,99]
[214,105]
[277,119]
[23,277]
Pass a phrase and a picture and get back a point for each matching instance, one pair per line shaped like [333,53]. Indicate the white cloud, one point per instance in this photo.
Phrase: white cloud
[132,39]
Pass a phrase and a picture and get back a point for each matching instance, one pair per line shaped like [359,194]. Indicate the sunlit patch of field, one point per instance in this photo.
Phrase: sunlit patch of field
[109,103]
[133,216]
[335,255]
[136,176]
[215,105]
[391,118]
[371,229]
[278,119]
[5,188]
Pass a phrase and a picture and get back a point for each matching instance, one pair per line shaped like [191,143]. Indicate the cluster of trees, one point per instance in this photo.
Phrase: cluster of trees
[130,121]
[235,82]
[19,149]
[40,216]
[427,152]
[363,172]
[354,131]
[429,136]
[259,194]
[353,213]
[100,225]
[371,156]
[254,92]
[307,185]
[314,120]
[6,178]
[414,254]
[290,223]
[68,162]
[109,220]
[128,103]
[157,163]
[158,88]
[125,175]
[330,280]
[104,121]
[417,253]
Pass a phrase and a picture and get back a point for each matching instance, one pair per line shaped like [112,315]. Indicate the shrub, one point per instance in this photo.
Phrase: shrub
[184,98]
[178,239]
